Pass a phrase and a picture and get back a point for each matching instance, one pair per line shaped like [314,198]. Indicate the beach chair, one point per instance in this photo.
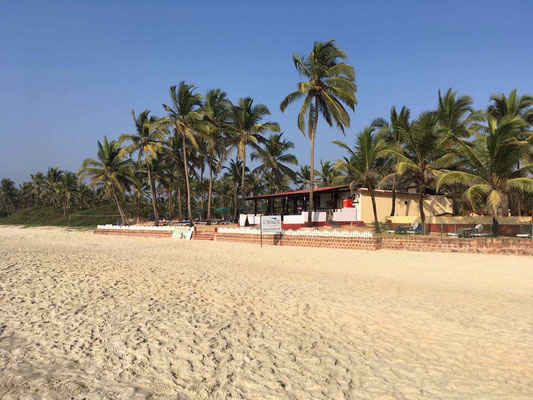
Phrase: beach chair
[478,231]
[525,231]
[461,233]
[414,229]
[401,230]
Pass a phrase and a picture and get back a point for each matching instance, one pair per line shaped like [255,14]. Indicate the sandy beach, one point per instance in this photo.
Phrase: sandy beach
[99,317]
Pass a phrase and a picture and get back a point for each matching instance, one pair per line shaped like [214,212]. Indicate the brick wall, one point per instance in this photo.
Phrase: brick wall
[478,245]
[136,232]
[303,241]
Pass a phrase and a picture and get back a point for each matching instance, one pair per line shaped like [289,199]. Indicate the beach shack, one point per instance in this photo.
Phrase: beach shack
[338,205]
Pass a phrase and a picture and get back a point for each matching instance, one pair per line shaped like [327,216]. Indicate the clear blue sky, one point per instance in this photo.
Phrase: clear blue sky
[71,72]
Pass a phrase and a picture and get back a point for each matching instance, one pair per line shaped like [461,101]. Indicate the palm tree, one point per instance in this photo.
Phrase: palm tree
[423,154]
[246,129]
[37,181]
[184,114]
[303,177]
[327,173]
[233,174]
[147,141]
[139,188]
[109,170]
[511,106]
[390,130]
[275,158]
[363,164]
[488,165]
[330,84]
[8,195]
[51,185]
[456,116]
[67,188]
[215,110]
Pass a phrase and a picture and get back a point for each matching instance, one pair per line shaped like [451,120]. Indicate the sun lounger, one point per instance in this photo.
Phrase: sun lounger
[478,231]
[525,231]
[461,233]
[414,229]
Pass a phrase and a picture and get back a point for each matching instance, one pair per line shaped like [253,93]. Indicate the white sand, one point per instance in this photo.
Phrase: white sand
[88,316]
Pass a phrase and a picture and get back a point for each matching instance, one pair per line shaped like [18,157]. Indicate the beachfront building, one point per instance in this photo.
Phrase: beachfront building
[338,205]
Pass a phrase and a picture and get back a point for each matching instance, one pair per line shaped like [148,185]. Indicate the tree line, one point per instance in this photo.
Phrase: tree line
[193,160]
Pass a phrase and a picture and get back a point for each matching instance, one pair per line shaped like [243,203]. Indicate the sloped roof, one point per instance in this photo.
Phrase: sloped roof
[299,192]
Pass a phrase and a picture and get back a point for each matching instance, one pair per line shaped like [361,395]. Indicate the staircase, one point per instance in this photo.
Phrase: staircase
[204,235]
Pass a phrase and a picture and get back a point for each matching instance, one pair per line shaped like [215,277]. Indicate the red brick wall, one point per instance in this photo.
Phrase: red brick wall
[137,232]
[478,245]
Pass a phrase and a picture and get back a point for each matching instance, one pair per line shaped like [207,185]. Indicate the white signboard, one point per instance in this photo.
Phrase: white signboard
[271,223]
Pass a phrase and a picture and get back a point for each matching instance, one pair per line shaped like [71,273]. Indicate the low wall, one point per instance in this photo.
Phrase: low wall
[303,241]
[514,246]
[457,245]
[136,232]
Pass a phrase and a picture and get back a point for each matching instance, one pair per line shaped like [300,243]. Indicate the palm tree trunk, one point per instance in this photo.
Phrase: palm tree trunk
[393,209]
[120,211]
[209,192]
[169,192]
[373,198]
[152,189]
[243,189]
[313,119]
[421,190]
[235,204]
[189,212]
[495,225]
[179,200]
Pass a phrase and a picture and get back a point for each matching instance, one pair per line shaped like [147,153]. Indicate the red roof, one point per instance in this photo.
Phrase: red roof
[299,192]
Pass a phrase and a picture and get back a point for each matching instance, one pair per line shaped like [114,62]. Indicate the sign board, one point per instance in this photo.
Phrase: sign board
[182,233]
[271,223]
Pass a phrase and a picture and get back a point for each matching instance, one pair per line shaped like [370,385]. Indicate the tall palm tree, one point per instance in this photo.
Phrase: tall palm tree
[456,116]
[363,163]
[488,165]
[51,185]
[147,141]
[275,157]
[109,170]
[423,155]
[67,188]
[216,111]
[390,131]
[511,106]
[329,85]
[246,128]
[183,115]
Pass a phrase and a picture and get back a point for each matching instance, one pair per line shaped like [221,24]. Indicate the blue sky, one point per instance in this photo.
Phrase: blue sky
[71,72]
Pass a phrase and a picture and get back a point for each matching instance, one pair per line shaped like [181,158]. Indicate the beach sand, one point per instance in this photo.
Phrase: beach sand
[89,316]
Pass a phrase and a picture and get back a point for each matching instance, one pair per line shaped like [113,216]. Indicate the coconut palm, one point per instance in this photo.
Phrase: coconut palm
[183,115]
[329,85]
[511,106]
[234,175]
[363,163]
[109,170]
[51,185]
[215,110]
[423,154]
[246,128]
[456,116]
[487,165]
[327,173]
[275,157]
[8,195]
[37,181]
[303,176]
[390,131]
[67,189]
[147,141]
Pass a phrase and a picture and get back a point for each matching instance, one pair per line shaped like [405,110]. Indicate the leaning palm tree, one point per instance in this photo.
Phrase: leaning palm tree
[183,115]
[245,128]
[488,165]
[275,157]
[329,84]
[147,141]
[390,131]
[363,164]
[422,156]
[109,170]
